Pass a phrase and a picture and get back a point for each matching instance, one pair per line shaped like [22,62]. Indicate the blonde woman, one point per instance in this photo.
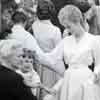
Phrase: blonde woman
[79,51]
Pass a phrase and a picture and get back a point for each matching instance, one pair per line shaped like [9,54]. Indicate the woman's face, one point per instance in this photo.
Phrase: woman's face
[27,62]
[72,27]
[15,60]
[22,60]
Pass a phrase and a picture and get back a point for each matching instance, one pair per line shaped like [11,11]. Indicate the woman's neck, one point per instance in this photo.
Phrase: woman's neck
[79,35]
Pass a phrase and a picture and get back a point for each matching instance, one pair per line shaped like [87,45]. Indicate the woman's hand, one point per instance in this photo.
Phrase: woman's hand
[32,84]
[52,92]
[32,80]
[49,97]
[94,78]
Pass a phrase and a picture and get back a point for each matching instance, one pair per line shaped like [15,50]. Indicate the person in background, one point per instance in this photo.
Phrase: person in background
[93,17]
[47,36]
[0,17]
[29,9]
[7,9]
[19,33]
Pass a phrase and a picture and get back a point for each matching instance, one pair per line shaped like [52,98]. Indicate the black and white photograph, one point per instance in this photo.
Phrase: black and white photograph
[49,49]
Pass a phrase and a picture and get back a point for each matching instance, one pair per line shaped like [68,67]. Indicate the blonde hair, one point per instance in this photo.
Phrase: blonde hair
[70,13]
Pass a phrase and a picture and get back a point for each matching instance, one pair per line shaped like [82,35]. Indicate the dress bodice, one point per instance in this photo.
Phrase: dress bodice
[78,53]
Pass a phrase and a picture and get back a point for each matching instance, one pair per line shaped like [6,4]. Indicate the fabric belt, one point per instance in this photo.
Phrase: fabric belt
[77,66]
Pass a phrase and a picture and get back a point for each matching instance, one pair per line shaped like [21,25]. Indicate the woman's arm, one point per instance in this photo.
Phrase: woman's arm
[58,85]
[52,59]
[49,59]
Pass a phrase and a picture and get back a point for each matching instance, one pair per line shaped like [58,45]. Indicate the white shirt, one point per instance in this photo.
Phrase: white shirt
[48,37]
[20,34]
[46,34]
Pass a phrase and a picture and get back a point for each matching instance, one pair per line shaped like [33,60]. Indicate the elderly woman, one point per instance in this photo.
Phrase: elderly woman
[79,51]
[11,83]
[16,71]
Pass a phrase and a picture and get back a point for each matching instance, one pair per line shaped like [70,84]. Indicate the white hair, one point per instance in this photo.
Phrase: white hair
[9,46]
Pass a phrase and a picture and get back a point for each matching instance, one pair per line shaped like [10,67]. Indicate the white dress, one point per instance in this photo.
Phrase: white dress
[78,55]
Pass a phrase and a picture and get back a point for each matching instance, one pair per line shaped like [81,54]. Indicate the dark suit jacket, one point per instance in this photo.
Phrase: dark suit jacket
[12,86]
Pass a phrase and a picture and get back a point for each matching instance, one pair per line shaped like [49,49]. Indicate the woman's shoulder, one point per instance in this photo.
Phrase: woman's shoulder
[95,39]
[90,36]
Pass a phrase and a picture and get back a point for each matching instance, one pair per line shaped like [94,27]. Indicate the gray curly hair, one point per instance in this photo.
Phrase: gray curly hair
[7,47]
[70,13]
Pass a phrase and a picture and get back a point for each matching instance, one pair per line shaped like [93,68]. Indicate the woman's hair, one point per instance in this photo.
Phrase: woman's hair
[70,13]
[45,10]
[18,17]
[9,47]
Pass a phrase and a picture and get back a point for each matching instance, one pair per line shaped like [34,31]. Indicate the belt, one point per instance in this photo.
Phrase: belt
[77,66]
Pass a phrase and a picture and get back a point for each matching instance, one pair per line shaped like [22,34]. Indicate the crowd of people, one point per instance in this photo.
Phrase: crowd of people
[48,53]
